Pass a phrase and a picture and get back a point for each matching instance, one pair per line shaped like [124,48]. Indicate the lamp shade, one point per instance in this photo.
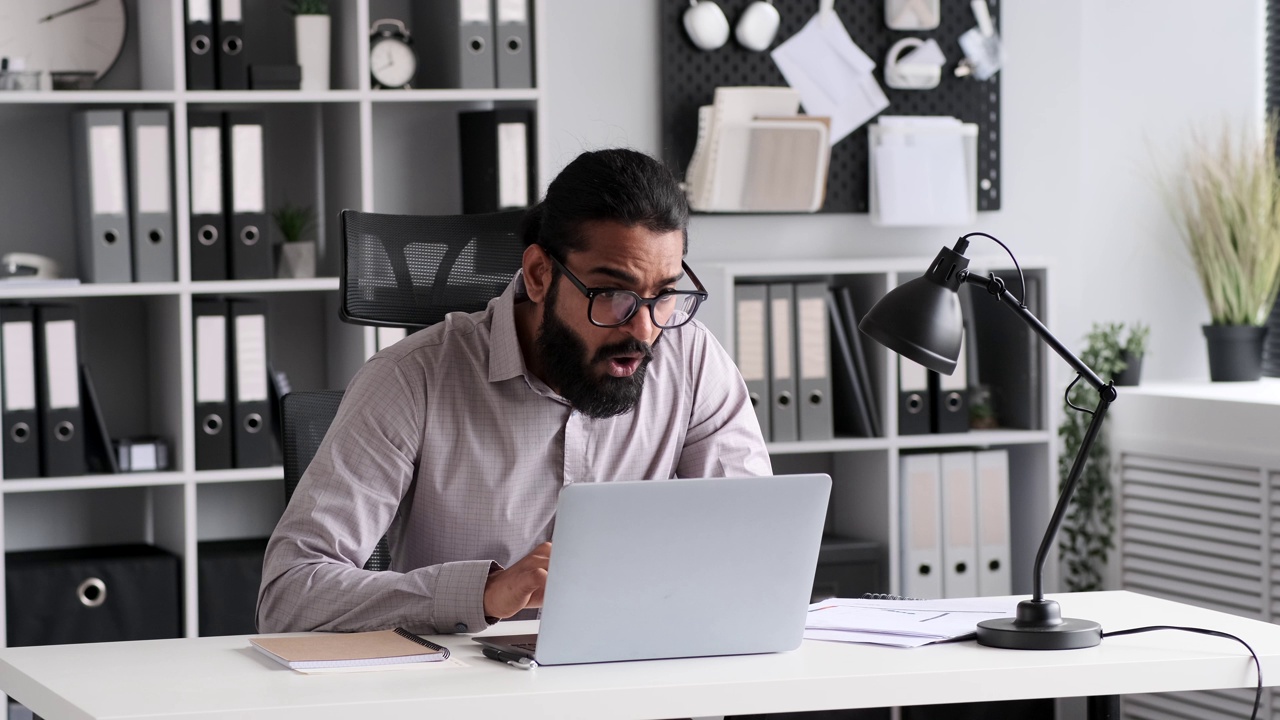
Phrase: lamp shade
[921,321]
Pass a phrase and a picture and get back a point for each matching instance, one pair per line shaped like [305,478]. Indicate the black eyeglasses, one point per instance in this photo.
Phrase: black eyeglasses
[609,307]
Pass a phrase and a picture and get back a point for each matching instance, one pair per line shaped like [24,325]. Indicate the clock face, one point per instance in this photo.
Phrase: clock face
[392,63]
[59,35]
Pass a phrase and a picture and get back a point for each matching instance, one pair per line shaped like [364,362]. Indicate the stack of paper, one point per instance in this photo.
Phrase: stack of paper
[754,153]
[923,171]
[902,623]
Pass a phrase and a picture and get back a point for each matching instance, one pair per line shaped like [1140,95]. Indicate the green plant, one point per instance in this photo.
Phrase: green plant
[309,7]
[1136,344]
[1088,531]
[1226,202]
[296,222]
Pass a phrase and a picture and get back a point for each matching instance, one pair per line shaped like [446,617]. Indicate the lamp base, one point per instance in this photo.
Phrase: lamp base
[1039,626]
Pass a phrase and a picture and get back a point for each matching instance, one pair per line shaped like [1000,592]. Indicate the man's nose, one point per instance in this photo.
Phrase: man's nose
[641,325]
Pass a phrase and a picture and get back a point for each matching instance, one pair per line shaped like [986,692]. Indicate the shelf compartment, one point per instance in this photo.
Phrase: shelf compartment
[236,511]
[154,515]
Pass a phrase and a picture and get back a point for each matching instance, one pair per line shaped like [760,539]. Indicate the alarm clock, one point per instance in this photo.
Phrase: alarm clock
[392,61]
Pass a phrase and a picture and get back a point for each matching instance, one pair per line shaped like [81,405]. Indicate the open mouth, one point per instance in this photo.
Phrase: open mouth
[623,365]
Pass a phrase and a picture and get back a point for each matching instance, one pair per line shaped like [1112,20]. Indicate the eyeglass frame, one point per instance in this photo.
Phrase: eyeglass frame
[591,293]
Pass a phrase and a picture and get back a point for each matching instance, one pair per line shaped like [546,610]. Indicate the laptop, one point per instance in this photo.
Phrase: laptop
[676,568]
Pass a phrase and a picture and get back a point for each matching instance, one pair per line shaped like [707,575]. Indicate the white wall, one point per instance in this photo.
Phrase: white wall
[1090,85]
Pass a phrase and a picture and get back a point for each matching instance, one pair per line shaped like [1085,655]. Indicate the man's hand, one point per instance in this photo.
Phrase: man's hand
[509,591]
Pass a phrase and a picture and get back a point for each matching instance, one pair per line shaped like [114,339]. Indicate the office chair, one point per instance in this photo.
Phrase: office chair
[403,271]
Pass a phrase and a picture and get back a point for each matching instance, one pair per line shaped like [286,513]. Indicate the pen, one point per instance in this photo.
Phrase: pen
[518,661]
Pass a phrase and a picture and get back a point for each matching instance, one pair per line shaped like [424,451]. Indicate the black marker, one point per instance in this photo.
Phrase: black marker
[511,659]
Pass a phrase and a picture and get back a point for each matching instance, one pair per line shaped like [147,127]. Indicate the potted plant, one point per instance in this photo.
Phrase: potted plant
[298,253]
[1226,203]
[1131,349]
[311,34]
[1088,531]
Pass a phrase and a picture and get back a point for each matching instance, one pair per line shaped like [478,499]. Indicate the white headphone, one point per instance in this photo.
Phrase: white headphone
[708,28]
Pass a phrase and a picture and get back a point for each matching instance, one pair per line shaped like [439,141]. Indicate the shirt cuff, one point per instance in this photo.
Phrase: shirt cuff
[459,597]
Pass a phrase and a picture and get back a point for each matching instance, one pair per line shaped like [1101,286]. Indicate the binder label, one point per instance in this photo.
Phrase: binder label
[106,169]
[199,11]
[62,364]
[751,340]
[513,166]
[211,358]
[781,338]
[813,338]
[19,366]
[512,11]
[474,11]
[206,171]
[247,193]
[231,11]
[251,358]
[152,181]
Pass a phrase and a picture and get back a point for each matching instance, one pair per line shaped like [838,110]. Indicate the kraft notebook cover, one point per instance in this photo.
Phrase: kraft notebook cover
[380,647]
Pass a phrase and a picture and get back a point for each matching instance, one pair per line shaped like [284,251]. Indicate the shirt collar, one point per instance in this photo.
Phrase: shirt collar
[505,359]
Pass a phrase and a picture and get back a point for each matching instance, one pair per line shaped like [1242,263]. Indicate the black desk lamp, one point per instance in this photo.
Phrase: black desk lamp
[921,321]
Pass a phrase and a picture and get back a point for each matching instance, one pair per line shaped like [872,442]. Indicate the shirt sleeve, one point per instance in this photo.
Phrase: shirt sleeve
[313,576]
[723,439]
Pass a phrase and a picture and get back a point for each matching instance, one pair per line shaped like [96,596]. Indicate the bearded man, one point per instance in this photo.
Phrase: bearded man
[456,441]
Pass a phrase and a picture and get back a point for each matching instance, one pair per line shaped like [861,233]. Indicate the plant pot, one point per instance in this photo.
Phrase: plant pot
[297,260]
[1132,372]
[1235,352]
[311,32]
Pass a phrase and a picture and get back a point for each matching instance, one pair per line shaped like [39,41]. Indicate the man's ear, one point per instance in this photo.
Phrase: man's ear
[537,272]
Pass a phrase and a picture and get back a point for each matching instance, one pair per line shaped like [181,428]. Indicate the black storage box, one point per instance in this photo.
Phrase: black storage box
[229,573]
[98,594]
[847,568]
[275,77]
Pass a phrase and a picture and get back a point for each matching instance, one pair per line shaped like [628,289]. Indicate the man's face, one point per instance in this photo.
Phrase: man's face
[601,371]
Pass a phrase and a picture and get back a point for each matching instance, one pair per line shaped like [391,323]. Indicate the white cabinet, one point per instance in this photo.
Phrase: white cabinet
[391,151]
[865,470]
[1199,512]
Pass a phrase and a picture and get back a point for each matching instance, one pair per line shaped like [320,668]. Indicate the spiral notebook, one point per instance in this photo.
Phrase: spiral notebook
[329,650]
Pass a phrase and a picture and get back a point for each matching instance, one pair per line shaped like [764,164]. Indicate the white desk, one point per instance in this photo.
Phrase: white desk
[225,678]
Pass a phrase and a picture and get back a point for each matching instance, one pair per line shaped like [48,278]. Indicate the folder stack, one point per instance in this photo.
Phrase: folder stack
[230,236]
[44,429]
[233,410]
[784,354]
[124,180]
[215,45]
[955,524]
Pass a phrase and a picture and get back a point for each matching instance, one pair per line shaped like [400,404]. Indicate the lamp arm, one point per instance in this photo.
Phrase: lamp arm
[1106,395]
[995,286]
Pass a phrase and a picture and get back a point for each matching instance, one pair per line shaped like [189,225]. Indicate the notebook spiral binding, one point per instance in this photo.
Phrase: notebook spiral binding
[444,651]
[886,596]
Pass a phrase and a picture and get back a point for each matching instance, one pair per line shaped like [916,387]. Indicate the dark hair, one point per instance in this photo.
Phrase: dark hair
[618,185]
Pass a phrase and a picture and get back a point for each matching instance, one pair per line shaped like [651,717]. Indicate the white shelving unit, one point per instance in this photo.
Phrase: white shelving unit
[392,151]
[864,502]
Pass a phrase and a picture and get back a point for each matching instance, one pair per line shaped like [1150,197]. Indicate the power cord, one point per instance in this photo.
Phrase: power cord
[1257,697]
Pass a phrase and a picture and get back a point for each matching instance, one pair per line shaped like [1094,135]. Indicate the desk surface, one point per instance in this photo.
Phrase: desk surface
[223,677]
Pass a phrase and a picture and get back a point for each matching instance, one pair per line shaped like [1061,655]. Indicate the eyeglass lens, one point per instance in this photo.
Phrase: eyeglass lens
[669,310]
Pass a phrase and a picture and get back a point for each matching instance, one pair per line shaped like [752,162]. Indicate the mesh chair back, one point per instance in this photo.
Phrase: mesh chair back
[305,417]
[411,270]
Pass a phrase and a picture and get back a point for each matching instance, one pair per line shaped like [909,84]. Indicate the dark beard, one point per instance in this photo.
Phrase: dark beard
[563,356]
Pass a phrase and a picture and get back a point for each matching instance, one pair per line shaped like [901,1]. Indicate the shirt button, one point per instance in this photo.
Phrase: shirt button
[460,627]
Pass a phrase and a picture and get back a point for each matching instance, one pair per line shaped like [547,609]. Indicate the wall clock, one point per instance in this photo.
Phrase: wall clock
[62,35]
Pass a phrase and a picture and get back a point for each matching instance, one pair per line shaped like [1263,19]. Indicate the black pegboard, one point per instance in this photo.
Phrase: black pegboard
[690,77]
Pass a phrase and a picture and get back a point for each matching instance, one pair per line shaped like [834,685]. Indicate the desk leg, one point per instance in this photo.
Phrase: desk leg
[1104,707]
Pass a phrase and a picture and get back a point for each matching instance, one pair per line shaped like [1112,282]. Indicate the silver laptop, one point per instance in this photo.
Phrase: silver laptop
[676,568]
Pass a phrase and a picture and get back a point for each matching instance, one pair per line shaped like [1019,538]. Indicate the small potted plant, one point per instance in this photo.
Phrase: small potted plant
[1132,349]
[1226,202]
[311,34]
[298,252]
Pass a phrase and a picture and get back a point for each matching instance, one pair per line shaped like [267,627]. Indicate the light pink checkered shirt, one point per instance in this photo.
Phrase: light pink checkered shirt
[446,443]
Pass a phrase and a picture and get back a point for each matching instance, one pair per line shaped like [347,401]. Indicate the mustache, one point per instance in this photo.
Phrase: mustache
[630,346]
